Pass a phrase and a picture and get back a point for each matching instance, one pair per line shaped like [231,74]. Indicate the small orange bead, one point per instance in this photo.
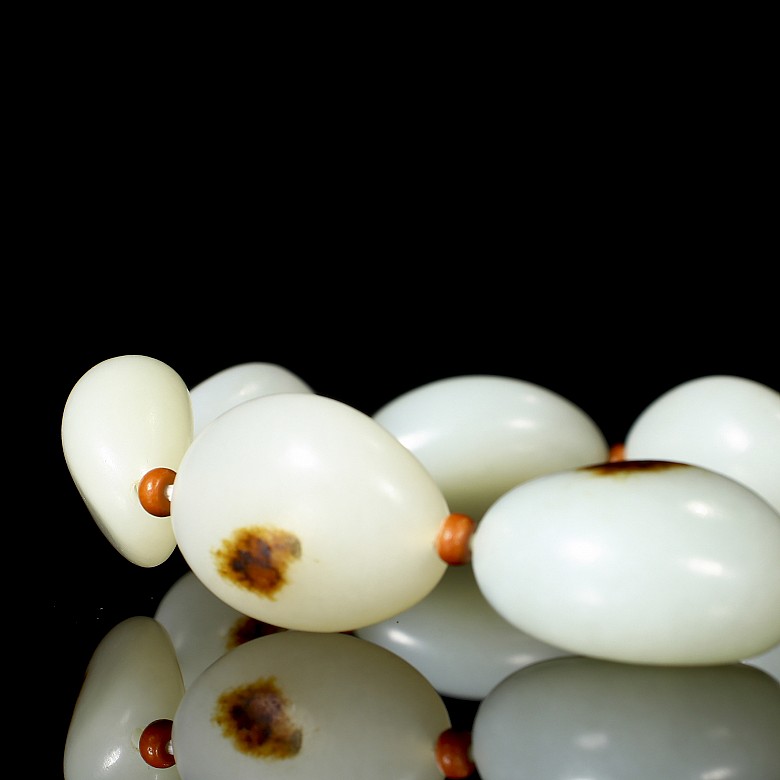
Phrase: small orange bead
[617,453]
[153,491]
[454,541]
[154,744]
[452,754]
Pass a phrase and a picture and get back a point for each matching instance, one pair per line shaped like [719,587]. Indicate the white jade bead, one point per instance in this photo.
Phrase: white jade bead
[132,680]
[457,640]
[726,424]
[123,418]
[585,718]
[201,626]
[479,436]
[237,384]
[335,707]
[342,504]
[668,564]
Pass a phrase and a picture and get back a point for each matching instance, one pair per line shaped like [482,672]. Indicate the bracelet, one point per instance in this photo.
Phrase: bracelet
[311,517]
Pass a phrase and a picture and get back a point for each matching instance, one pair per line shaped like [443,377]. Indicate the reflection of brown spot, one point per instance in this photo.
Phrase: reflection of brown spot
[245,629]
[621,467]
[255,717]
[257,558]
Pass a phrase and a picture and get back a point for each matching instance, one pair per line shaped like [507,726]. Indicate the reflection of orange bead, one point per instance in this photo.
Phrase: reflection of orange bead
[452,754]
[454,541]
[153,491]
[617,453]
[154,742]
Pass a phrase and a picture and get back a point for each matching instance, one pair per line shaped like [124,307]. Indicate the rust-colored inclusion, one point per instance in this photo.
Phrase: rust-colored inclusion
[620,467]
[257,558]
[245,629]
[256,718]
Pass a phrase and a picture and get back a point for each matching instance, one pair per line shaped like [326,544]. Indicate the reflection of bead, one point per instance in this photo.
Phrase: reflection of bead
[309,705]
[132,680]
[457,640]
[586,718]
[203,627]
[452,754]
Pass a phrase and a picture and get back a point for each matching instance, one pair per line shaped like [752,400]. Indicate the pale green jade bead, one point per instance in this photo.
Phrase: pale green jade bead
[727,424]
[123,418]
[235,385]
[132,680]
[300,511]
[479,436]
[640,562]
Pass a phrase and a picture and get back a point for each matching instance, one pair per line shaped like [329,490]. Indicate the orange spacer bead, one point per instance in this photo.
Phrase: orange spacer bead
[154,742]
[454,540]
[617,453]
[153,491]
[452,754]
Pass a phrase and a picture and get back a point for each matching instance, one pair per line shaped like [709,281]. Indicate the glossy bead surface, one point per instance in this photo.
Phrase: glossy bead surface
[123,418]
[299,705]
[727,424]
[479,436]
[457,640]
[643,562]
[575,718]
[132,680]
[302,512]
[239,383]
